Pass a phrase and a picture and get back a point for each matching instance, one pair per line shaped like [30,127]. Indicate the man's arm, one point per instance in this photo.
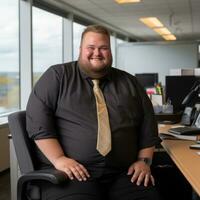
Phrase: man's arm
[140,170]
[40,122]
[52,149]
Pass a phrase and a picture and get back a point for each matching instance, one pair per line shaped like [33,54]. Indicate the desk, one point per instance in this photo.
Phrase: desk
[187,160]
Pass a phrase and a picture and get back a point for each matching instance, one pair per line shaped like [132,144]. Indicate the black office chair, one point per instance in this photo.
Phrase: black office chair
[28,183]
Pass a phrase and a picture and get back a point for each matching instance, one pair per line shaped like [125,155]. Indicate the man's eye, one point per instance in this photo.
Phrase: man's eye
[90,48]
[104,48]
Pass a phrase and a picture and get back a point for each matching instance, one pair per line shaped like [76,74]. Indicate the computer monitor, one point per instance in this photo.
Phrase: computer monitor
[177,87]
[147,79]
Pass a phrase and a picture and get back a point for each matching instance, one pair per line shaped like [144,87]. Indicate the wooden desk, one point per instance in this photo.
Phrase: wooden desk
[187,160]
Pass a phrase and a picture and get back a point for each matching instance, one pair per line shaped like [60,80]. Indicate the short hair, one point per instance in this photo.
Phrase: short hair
[95,29]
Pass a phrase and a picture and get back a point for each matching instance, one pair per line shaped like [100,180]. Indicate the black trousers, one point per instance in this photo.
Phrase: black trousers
[104,184]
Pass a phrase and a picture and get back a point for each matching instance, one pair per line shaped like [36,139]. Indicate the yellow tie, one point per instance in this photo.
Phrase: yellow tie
[104,133]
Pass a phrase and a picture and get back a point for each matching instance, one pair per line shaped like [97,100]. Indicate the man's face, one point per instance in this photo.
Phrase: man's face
[95,54]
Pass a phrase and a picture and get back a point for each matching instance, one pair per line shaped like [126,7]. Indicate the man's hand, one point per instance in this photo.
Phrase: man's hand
[52,149]
[140,172]
[72,168]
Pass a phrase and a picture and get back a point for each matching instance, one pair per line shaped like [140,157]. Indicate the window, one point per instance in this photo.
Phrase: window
[9,56]
[77,32]
[47,41]
[113,49]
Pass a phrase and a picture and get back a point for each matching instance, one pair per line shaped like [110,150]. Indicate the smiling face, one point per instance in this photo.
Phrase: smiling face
[95,54]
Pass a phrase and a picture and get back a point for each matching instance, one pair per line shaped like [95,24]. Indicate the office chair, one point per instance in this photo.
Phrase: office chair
[28,183]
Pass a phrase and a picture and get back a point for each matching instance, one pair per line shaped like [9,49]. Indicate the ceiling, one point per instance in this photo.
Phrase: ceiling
[181,17]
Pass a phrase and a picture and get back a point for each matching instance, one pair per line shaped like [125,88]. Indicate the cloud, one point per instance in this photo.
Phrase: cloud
[9,36]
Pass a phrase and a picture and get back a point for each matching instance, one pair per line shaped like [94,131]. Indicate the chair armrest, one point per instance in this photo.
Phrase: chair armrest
[51,175]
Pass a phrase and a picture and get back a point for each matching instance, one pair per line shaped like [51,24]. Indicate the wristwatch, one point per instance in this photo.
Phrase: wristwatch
[146,160]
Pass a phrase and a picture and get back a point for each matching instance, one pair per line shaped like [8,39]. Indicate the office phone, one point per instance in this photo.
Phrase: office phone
[191,111]
[191,115]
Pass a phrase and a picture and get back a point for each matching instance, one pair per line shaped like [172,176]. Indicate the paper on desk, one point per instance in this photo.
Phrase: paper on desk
[172,126]
[177,125]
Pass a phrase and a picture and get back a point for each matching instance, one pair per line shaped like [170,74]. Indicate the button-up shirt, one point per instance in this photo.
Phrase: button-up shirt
[62,105]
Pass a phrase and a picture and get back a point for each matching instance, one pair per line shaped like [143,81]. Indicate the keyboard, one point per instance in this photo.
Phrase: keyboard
[187,130]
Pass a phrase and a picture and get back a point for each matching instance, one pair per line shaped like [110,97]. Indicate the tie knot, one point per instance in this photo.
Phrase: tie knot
[95,82]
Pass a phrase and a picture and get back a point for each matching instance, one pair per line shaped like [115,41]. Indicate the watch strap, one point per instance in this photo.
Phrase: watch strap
[146,160]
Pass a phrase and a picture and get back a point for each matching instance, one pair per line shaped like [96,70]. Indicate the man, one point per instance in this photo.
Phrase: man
[63,120]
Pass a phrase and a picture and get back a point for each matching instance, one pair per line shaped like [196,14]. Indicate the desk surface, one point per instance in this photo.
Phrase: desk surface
[187,160]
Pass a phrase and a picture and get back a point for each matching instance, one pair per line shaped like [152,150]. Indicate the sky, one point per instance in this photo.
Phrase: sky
[47,39]
[8,35]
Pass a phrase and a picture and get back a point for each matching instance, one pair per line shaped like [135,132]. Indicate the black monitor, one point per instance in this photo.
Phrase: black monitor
[177,87]
[147,79]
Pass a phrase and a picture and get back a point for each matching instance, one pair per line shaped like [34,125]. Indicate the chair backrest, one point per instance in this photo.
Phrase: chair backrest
[23,145]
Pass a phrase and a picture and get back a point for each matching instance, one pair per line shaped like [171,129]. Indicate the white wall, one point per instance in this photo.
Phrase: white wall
[157,57]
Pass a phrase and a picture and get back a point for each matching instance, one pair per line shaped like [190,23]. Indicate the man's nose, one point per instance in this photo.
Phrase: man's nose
[97,51]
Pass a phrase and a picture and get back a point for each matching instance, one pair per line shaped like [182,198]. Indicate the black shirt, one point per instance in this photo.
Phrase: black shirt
[62,105]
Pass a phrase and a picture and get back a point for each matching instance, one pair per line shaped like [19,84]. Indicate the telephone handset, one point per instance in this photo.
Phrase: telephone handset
[193,96]
[188,116]
[196,121]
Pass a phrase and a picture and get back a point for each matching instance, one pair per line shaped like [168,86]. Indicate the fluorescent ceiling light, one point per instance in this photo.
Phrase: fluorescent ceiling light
[155,24]
[152,22]
[127,1]
[169,37]
[162,31]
